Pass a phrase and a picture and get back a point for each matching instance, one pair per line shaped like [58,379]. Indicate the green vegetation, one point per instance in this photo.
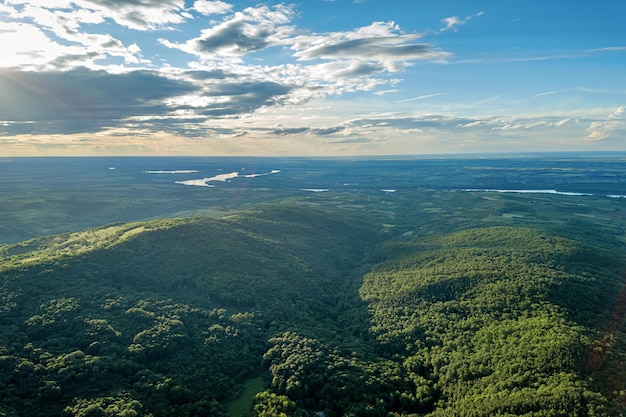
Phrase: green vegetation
[243,404]
[416,303]
[477,320]
[168,317]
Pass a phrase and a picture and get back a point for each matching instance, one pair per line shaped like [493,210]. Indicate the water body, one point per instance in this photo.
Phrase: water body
[571,193]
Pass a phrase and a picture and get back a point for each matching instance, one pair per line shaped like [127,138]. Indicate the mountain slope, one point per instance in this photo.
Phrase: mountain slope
[170,317]
[164,317]
[494,321]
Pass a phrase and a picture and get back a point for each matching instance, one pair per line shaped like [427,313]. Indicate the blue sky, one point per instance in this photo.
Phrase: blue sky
[314,77]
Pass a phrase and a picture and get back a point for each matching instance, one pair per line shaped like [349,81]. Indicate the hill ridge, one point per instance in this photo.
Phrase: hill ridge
[169,317]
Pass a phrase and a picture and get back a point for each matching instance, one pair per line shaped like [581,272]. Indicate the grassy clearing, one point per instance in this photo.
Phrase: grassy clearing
[242,406]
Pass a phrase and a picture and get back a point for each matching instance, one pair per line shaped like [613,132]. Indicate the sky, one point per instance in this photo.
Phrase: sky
[311,78]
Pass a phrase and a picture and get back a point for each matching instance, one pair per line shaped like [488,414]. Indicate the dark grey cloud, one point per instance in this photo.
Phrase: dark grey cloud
[140,14]
[244,97]
[308,130]
[135,17]
[291,131]
[236,36]
[66,60]
[360,69]
[82,95]
[353,140]
[209,75]
[391,50]
[253,29]
[263,89]
[88,101]
[329,130]
[367,47]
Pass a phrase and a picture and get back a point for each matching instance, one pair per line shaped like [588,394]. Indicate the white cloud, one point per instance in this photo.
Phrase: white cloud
[423,97]
[25,45]
[327,64]
[597,131]
[207,8]
[44,37]
[514,123]
[381,42]
[473,124]
[66,15]
[452,22]
[609,49]
[603,129]
[64,23]
[383,92]
[617,114]
[142,15]
[547,93]
[236,89]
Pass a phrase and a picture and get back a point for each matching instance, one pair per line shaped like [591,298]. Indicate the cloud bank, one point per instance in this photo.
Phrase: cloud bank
[185,77]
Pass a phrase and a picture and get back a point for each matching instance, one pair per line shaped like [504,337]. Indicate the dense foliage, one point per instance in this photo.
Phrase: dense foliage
[477,319]
[337,314]
[168,317]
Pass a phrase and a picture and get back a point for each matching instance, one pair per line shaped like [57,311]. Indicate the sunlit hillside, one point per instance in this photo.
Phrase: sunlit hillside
[293,309]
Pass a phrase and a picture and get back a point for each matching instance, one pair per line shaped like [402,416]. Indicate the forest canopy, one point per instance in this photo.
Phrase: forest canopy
[321,309]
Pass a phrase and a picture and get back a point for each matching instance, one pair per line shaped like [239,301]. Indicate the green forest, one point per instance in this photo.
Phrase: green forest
[445,304]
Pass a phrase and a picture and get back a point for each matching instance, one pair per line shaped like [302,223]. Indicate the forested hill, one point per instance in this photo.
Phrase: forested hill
[497,321]
[166,317]
[323,310]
